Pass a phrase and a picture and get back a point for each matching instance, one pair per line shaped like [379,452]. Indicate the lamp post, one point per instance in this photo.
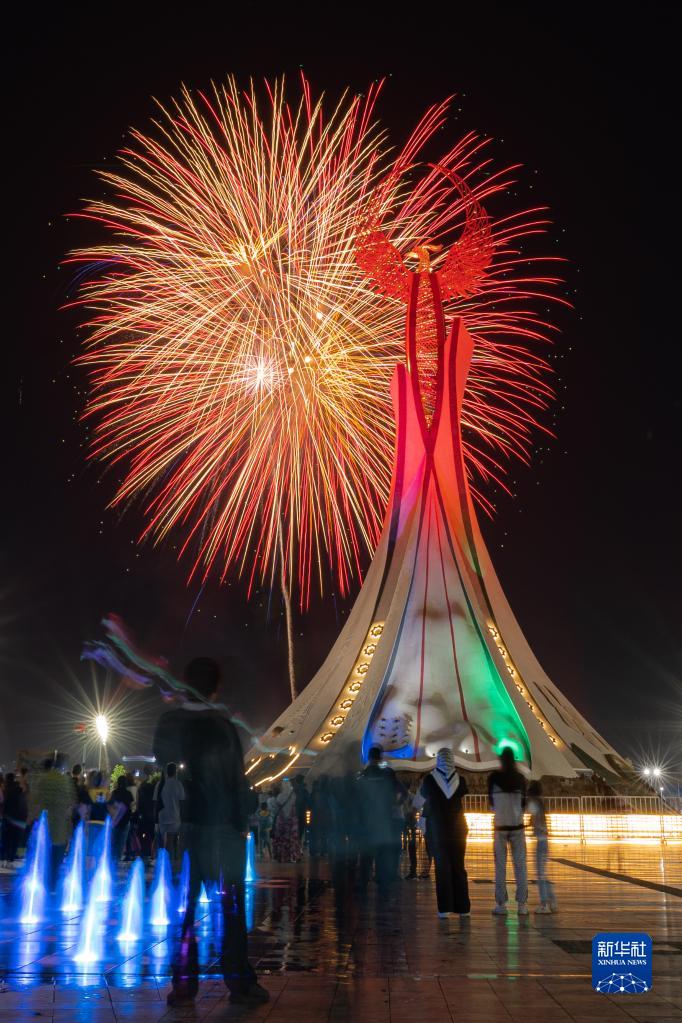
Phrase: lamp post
[102,727]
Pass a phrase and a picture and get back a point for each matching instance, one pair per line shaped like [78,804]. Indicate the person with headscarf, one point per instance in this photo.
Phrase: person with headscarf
[286,842]
[443,790]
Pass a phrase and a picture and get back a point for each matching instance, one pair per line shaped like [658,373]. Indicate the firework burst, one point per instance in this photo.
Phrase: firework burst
[240,361]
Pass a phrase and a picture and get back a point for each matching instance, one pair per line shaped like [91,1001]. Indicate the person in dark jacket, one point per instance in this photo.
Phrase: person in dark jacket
[145,814]
[378,796]
[120,802]
[443,791]
[302,807]
[216,809]
[15,817]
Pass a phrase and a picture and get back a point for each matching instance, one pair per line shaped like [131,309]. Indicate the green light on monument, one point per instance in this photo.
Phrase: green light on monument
[511,744]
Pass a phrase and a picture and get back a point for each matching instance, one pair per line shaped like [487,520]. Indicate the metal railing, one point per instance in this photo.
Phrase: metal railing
[478,803]
[590,818]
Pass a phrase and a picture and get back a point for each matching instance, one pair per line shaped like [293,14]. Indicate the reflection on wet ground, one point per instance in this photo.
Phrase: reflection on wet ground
[330,952]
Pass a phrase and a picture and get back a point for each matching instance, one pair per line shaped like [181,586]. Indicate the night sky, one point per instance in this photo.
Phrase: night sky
[588,548]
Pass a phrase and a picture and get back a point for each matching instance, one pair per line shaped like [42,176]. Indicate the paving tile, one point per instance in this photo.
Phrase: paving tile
[324,955]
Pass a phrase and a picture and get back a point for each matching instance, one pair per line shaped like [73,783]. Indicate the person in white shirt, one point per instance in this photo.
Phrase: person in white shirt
[536,808]
[507,795]
[168,795]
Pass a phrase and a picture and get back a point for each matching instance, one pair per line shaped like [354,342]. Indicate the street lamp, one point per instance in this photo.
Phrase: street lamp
[656,772]
[102,728]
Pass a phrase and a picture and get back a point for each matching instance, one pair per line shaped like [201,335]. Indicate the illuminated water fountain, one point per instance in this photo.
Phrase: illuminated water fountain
[100,885]
[89,949]
[159,913]
[167,903]
[183,885]
[251,875]
[34,885]
[72,893]
[131,919]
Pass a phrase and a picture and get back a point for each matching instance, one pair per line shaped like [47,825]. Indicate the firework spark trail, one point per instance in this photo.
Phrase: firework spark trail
[240,362]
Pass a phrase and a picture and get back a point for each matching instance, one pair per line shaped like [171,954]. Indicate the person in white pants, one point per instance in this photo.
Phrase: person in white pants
[507,795]
[536,808]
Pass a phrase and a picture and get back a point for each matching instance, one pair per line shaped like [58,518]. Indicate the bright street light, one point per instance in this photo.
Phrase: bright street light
[102,726]
[656,772]
[646,772]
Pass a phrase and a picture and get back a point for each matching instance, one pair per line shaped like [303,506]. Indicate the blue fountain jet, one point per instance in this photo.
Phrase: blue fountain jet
[72,892]
[102,882]
[161,893]
[131,920]
[34,885]
[183,885]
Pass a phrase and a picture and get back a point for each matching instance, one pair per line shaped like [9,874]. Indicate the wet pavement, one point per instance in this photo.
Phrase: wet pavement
[326,952]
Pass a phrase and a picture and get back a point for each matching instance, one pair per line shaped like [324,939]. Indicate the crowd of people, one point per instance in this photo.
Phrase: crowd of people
[362,822]
[144,811]
[367,820]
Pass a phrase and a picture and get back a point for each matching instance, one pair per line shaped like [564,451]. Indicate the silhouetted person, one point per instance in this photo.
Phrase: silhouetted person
[53,791]
[121,802]
[410,832]
[319,822]
[443,789]
[217,807]
[378,791]
[302,806]
[507,794]
[145,811]
[14,819]
[169,795]
[536,808]
[286,843]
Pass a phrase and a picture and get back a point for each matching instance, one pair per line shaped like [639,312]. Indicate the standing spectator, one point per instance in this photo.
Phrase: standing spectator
[286,844]
[83,803]
[52,791]
[76,781]
[428,846]
[398,834]
[14,819]
[302,807]
[443,791]
[378,793]
[168,796]
[536,808]
[319,821]
[272,800]
[120,804]
[507,795]
[219,803]
[264,830]
[145,812]
[132,846]
[98,796]
[410,833]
